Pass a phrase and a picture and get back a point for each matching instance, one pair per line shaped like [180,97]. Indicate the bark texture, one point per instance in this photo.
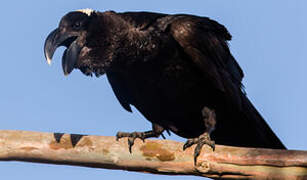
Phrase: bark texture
[152,156]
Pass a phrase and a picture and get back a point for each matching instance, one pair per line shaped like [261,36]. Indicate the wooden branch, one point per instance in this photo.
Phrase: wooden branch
[153,156]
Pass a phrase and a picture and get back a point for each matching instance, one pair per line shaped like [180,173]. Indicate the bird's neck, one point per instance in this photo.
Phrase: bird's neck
[121,44]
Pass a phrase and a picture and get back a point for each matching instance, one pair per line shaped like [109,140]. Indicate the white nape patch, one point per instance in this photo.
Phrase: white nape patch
[86,11]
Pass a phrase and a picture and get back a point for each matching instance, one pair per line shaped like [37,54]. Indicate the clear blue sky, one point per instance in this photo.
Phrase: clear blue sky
[269,42]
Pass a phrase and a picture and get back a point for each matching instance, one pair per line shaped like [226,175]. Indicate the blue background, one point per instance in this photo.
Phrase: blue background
[269,42]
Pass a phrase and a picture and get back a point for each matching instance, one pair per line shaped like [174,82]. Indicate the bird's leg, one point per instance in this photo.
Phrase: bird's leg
[210,121]
[155,132]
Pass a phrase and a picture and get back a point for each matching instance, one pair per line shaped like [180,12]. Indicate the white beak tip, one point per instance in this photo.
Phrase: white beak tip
[49,61]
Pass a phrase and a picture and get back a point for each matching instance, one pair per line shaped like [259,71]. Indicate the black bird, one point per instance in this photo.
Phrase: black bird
[177,70]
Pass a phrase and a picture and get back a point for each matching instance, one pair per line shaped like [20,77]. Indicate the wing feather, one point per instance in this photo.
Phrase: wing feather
[205,42]
[120,90]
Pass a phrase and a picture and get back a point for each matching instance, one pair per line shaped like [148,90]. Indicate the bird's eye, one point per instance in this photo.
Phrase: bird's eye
[77,25]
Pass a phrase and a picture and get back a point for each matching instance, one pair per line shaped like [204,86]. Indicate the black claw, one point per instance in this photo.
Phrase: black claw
[130,143]
[117,136]
[163,136]
[187,144]
[197,150]
[168,132]
[140,136]
[120,135]
[195,158]
[212,145]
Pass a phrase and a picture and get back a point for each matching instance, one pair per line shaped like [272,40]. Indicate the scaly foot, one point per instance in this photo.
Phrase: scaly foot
[134,135]
[200,141]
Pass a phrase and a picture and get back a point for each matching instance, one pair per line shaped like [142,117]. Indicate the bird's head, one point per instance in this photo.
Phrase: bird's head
[72,33]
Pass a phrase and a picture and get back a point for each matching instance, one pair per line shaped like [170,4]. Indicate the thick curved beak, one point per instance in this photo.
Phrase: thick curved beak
[51,45]
[57,38]
[70,57]
[69,39]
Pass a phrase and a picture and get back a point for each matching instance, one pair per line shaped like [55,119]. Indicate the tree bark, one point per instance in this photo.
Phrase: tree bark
[152,156]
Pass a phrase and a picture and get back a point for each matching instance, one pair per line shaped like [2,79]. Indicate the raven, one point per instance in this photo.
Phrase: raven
[177,70]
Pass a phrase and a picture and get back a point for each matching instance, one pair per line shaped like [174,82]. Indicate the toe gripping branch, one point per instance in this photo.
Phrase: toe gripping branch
[200,141]
[134,135]
[209,118]
[156,131]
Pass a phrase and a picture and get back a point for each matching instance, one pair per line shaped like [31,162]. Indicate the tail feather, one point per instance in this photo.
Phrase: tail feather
[246,129]
[263,133]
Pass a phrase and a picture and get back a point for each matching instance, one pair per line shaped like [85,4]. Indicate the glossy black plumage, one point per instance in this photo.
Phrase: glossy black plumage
[169,67]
